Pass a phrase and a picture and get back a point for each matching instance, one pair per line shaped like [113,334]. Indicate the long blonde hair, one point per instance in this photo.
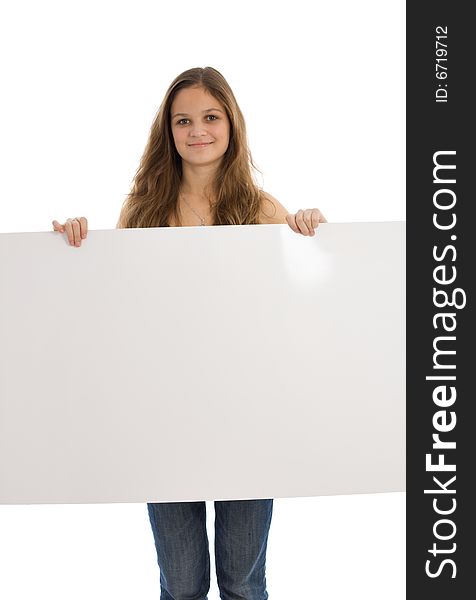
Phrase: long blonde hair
[153,199]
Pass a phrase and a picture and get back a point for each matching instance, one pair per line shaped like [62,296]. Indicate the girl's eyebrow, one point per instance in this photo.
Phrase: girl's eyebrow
[186,115]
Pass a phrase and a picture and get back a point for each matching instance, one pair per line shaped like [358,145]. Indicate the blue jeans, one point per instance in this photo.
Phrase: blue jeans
[241,537]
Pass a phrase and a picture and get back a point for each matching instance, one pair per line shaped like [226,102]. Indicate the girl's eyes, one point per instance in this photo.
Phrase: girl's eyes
[182,121]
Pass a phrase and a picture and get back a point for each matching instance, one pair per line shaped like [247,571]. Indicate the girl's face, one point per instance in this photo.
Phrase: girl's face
[200,127]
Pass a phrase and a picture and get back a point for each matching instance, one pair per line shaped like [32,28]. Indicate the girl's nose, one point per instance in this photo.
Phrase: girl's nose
[198,130]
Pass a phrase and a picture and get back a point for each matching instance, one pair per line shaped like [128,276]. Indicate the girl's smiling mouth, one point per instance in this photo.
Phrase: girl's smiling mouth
[200,144]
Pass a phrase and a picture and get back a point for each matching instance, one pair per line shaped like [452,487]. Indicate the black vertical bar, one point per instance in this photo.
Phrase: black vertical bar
[441,555]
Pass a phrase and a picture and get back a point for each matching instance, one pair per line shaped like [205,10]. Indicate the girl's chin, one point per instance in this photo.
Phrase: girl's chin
[202,160]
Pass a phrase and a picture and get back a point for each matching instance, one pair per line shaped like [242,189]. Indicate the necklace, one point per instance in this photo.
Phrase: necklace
[201,218]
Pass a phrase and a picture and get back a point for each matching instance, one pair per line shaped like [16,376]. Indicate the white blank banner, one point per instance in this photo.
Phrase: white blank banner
[202,363]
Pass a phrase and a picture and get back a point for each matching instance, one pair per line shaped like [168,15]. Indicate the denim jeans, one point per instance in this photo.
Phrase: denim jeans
[241,537]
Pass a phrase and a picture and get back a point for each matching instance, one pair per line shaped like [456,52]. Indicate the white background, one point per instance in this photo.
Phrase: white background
[322,89]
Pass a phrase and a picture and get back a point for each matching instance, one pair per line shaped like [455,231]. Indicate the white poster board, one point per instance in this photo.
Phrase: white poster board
[202,363]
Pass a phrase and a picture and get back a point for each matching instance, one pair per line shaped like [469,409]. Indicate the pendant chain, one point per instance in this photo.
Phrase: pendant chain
[192,209]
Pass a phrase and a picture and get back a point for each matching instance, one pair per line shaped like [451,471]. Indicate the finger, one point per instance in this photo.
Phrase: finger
[316,218]
[76,232]
[57,226]
[68,226]
[72,231]
[83,224]
[300,222]
[307,216]
[292,222]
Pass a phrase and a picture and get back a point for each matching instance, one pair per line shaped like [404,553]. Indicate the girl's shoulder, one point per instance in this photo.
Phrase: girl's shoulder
[272,211]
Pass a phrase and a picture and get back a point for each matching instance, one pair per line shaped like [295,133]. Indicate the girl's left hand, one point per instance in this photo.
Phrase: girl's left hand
[305,221]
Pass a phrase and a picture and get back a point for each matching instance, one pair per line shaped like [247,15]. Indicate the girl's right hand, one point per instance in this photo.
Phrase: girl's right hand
[76,229]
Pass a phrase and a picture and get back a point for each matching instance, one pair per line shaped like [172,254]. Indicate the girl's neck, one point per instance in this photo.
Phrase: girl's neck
[197,183]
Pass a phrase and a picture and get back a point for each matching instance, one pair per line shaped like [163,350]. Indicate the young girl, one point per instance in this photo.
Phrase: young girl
[197,170]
